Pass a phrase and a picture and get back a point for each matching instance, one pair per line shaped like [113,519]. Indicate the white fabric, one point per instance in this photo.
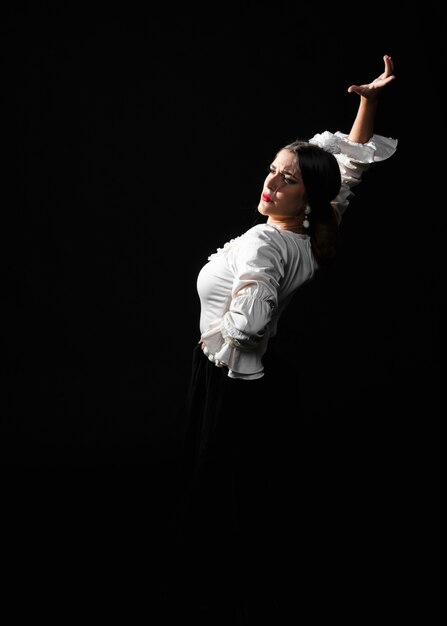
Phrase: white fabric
[245,285]
[243,289]
[353,159]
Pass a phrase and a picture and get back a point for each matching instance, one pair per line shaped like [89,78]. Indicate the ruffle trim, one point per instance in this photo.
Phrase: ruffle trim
[225,248]
[378,148]
[240,364]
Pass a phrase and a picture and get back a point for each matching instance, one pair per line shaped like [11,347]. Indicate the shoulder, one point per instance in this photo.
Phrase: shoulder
[263,233]
[269,244]
[262,239]
[270,235]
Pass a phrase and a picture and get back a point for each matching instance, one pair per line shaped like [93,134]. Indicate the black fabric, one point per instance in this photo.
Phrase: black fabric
[224,518]
[260,499]
[227,454]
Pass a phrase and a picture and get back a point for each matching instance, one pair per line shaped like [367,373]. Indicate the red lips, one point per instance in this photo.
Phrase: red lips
[266,198]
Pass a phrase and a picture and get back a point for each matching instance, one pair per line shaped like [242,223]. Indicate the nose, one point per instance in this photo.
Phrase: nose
[274,181]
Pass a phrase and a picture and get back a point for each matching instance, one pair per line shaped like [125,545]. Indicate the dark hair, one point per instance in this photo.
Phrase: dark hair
[322,179]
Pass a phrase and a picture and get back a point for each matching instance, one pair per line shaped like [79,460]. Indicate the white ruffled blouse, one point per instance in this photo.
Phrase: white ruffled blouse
[245,286]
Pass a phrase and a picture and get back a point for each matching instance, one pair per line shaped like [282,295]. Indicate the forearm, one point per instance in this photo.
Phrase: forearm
[363,127]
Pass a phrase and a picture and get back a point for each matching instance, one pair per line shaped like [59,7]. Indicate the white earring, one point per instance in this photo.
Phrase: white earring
[307,212]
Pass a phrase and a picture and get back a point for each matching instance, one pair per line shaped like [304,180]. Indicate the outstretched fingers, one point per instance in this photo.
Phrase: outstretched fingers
[368,89]
[389,65]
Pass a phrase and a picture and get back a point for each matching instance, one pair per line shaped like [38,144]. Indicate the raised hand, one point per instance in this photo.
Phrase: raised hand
[372,89]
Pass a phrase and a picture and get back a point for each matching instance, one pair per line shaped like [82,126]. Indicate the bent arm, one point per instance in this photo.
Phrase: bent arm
[363,127]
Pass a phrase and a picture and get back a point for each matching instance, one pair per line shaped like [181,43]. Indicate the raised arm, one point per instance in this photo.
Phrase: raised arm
[363,127]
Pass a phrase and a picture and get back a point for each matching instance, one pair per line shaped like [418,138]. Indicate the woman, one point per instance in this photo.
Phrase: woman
[236,399]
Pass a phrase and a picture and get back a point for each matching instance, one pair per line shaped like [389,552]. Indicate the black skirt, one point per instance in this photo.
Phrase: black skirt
[226,417]
[243,473]
[227,453]
[224,513]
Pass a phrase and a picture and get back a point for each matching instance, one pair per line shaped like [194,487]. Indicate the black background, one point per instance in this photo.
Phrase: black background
[135,142]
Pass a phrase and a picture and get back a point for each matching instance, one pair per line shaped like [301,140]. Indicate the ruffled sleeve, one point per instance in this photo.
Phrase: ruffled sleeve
[238,340]
[353,159]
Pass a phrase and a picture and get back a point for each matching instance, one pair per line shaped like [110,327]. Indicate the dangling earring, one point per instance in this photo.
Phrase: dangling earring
[307,212]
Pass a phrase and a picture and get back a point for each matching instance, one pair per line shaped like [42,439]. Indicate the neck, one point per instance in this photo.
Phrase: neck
[295,225]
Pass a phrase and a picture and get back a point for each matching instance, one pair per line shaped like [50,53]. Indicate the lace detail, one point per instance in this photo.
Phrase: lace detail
[225,248]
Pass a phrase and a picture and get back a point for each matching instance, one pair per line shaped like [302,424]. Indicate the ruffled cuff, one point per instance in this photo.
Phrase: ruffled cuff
[378,148]
[240,364]
[213,343]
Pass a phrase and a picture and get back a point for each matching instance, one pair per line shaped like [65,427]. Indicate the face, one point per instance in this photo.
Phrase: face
[283,197]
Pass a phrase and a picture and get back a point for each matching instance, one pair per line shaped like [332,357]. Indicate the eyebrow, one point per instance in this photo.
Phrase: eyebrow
[288,172]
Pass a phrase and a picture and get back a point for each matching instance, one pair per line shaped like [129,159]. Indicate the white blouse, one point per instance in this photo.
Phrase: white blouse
[246,285]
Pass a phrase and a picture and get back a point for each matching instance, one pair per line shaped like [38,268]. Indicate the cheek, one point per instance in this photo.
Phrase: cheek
[294,201]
